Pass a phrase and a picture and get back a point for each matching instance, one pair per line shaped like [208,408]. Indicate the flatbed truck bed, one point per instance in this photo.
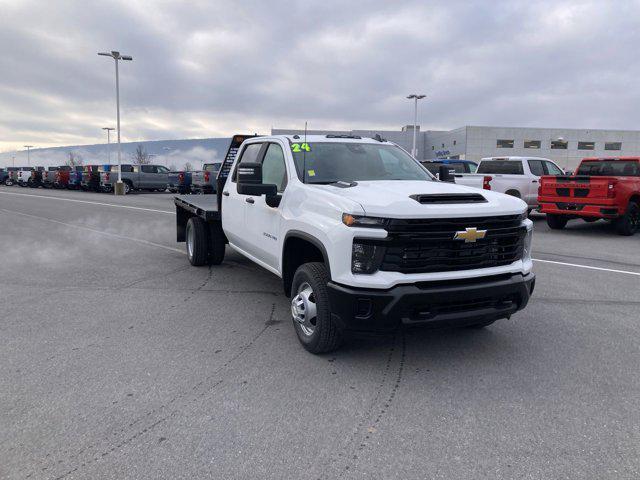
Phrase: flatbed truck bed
[207,207]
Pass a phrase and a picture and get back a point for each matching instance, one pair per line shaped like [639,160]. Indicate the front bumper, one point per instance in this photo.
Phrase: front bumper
[447,303]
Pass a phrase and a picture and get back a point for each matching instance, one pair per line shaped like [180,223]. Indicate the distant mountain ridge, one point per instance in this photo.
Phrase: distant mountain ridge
[164,152]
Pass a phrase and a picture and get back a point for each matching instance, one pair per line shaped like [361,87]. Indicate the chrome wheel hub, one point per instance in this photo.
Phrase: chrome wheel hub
[190,242]
[304,310]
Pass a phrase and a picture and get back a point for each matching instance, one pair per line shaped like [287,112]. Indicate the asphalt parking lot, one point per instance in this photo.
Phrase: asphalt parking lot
[120,360]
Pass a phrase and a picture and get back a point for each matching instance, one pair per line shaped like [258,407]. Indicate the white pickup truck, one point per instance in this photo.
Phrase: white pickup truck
[515,176]
[363,237]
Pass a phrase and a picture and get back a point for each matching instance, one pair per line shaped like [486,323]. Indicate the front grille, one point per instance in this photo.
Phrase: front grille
[428,245]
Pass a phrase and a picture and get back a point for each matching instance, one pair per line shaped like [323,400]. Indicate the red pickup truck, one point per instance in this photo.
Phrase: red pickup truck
[606,188]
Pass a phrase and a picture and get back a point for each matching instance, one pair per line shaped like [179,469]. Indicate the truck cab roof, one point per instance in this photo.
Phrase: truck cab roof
[301,138]
[504,159]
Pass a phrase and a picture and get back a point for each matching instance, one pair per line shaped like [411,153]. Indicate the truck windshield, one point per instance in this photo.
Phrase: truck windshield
[610,168]
[327,162]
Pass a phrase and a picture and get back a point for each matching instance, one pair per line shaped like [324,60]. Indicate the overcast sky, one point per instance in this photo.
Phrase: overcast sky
[211,68]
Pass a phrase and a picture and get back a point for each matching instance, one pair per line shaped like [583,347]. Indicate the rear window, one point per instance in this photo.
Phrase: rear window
[212,167]
[434,167]
[605,168]
[506,167]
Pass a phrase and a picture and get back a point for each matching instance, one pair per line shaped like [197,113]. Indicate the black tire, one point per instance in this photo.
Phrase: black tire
[325,335]
[217,244]
[628,223]
[556,222]
[128,187]
[197,241]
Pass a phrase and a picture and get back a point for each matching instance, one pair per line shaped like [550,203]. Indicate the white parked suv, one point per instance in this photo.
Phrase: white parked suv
[515,176]
[363,236]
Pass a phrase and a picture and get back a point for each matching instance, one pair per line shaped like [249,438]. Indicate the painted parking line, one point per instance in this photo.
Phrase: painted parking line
[566,264]
[48,197]
[588,267]
[100,232]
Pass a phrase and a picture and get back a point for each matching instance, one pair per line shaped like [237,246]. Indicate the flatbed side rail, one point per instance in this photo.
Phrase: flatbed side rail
[185,210]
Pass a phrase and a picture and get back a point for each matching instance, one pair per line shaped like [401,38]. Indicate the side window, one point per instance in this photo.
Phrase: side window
[146,168]
[274,170]
[249,155]
[536,167]
[552,169]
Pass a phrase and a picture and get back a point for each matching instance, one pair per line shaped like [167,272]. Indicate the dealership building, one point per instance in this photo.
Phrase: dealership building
[566,146]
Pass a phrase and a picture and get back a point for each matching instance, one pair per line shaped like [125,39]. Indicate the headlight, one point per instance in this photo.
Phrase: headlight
[362,221]
[366,257]
[526,253]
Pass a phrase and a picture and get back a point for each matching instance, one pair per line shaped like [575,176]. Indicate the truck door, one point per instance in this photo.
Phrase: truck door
[234,205]
[263,221]
[537,171]
[161,176]
[146,176]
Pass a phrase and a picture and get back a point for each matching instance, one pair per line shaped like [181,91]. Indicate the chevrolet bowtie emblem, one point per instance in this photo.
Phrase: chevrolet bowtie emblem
[470,235]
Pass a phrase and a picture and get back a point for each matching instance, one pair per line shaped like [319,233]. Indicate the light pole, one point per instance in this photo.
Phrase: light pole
[119,190]
[415,97]
[28,147]
[108,129]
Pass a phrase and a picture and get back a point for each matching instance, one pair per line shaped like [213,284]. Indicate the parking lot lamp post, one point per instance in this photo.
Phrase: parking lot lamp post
[108,129]
[119,190]
[28,147]
[415,97]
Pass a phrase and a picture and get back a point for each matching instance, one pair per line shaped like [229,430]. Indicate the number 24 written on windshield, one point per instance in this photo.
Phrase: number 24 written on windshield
[298,147]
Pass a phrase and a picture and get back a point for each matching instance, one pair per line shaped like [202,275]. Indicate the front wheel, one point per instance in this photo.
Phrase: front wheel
[628,223]
[556,222]
[311,311]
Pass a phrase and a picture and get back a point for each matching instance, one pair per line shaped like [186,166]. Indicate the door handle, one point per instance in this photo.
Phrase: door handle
[226,194]
[534,181]
[249,200]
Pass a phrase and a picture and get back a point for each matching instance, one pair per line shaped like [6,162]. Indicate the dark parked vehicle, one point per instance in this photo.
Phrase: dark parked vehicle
[136,177]
[205,181]
[179,182]
[12,175]
[49,177]
[35,179]
[3,175]
[91,177]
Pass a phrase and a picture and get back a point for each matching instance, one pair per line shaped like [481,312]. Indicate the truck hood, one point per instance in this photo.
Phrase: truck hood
[392,198]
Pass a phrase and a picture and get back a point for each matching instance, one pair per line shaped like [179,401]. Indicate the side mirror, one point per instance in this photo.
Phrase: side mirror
[446,174]
[250,181]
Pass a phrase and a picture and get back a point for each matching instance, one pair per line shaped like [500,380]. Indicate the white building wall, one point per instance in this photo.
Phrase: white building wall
[474,142]
[482,142]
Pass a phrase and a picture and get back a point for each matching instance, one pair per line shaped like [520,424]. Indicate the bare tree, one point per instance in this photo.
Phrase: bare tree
[188,167]
[141,157]
[74,160]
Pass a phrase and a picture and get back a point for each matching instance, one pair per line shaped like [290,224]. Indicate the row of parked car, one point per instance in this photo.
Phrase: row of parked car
[102,178]
[600,188]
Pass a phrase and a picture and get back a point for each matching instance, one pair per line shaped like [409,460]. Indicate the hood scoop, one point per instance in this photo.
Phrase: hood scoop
[448,198]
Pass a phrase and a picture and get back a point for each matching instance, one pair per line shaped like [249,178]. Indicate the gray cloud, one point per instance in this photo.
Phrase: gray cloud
[205,69]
